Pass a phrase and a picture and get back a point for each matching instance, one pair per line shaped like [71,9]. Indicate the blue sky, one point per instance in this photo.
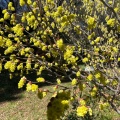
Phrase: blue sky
[3,4]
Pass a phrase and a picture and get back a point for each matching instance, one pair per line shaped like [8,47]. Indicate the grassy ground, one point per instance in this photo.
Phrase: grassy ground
[29,107]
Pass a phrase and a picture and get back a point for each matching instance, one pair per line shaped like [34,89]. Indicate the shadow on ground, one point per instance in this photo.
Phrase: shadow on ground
[9,87]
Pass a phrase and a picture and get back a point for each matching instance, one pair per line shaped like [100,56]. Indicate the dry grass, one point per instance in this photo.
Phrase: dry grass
[28,107]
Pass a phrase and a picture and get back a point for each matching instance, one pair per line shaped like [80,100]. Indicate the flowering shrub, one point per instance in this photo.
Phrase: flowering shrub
[65,37]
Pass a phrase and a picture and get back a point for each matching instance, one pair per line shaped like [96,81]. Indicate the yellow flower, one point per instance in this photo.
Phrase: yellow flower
[97,39]
[20,66]
[110,2]
[28,87]
[110,40]
[82,102]
[10,4]
[4,11]
[74,81]
[44,48]
[53,25]
[27,49]
[78,74]
[68,53]
[28,66]
[119,59]
[90,21]
[65,102]
[34,87]
[98,75]
[40,79]
[1,41]
[95,89]
[71,17]
[35,4]
[111,22]
[29,2]
[12,9]
[46,8]
[12,67]
[58,81]
[22,2]
[90,77]
[18,30]
[92,93]
[7,65]
[84,60]
[114,82]
[92,43]
[59,9]
[6,16]
[21,82]
[90,111]
[59,43]
[116,9]
[115,49]
[42,68]
[8,42]
[50,1]
[96,49]
[82,111]
[1,20]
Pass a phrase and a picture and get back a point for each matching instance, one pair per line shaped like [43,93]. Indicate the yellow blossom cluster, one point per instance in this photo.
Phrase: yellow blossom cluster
[91,22]
[31,87]
[10,6]
[31,20]
[111,22]
[74,81]
[18,30]
[82,110]
[1,41]
[11,66]
[60,43]
[22,2]
[21,82]
[20,66]
[6,15]
[94,91]
[9,50]
[40,79]
[68,55]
